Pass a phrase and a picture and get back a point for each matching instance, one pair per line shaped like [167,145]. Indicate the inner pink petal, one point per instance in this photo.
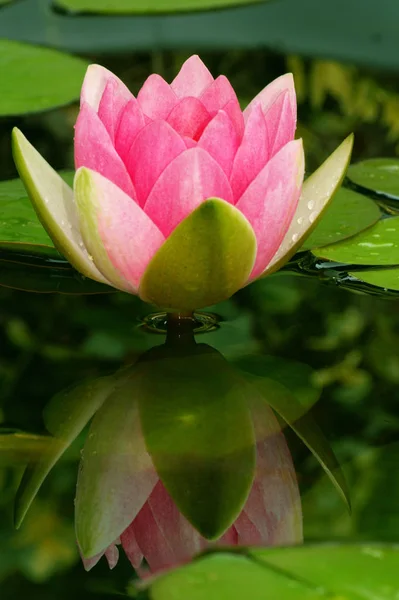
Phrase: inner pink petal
[270,201]
[156,97]
[190,179]
[95,150]
[153,149]
[94,84]
[271,92]
[192,79]
[218,94]
[131,547]
[221,141]
[252,154]
[131,121]
[189,117]
[112,103]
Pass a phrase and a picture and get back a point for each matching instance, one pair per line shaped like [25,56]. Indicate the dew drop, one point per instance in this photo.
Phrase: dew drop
[299,220]
[295,237]
[63,223]
[310,204]
[312,216]
[81,244]
[89,256]
[46,200]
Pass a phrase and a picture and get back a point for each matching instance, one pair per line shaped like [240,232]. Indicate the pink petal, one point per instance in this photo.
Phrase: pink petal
[247,532]
[128,235]
[252,154]
[192,79]
[89,563]
[280,123]
[94,84]
[190,179]
[184,540]
[131,121]
[112,103]
[220,95]
[112,556]
[229,538]
[156,98]
[270,201]
[221,141]
[189,142]
[153,149]
[94,150]
[131,547]
[271,92]
[189,117]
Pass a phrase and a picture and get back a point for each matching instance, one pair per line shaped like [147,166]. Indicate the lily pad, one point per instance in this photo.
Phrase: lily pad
[35,79]
[348,214]
[378,245]
[314,572]
[379,175]
[191,412]
[201,263]
[388,279]
[127,7]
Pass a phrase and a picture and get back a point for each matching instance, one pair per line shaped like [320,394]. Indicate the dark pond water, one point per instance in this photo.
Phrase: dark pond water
[285,405]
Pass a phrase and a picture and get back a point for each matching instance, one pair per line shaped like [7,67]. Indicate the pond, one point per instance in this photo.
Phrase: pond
[199,398]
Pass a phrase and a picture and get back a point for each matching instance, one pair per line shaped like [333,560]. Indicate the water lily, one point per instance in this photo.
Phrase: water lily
[180,196]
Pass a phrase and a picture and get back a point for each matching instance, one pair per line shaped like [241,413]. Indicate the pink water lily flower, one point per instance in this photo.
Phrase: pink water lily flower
[162,537]
[180,196]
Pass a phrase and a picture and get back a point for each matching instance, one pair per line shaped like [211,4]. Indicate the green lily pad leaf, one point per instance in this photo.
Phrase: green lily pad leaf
[295,414]
[17,273]
[347,214]
[206,259]
[388,279]
[20,448]
[314,572]
[379,175]
[378,245]
[35,79]
[116,474]
[20,228]
[192,404]
[317,192]
[295,376]
[54,204]
[116,7]
[65,417]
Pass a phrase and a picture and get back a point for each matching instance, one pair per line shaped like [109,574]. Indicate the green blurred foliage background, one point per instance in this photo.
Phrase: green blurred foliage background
[351,341]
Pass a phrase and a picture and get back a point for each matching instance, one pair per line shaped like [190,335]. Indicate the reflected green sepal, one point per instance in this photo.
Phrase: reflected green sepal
[206,259]
[198,430]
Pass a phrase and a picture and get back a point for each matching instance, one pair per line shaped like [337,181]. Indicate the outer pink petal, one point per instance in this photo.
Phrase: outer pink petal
[221,141]
[112,555]
[189,142]
[94,84]
[280,122]
[220,95]
[153,149]
[192,79]
[156,97]
[184,540]
[128,235]
[112,103]
[252,154]
[94,150]
[271,92]
[189,117]
[131,121]
[270,201]
[190,179]
[131,547]
[229,538]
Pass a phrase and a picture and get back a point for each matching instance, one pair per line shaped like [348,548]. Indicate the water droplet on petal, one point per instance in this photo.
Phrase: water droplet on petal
[295,237]
[310,204]
[313,216]
[89,256]
[299,220]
